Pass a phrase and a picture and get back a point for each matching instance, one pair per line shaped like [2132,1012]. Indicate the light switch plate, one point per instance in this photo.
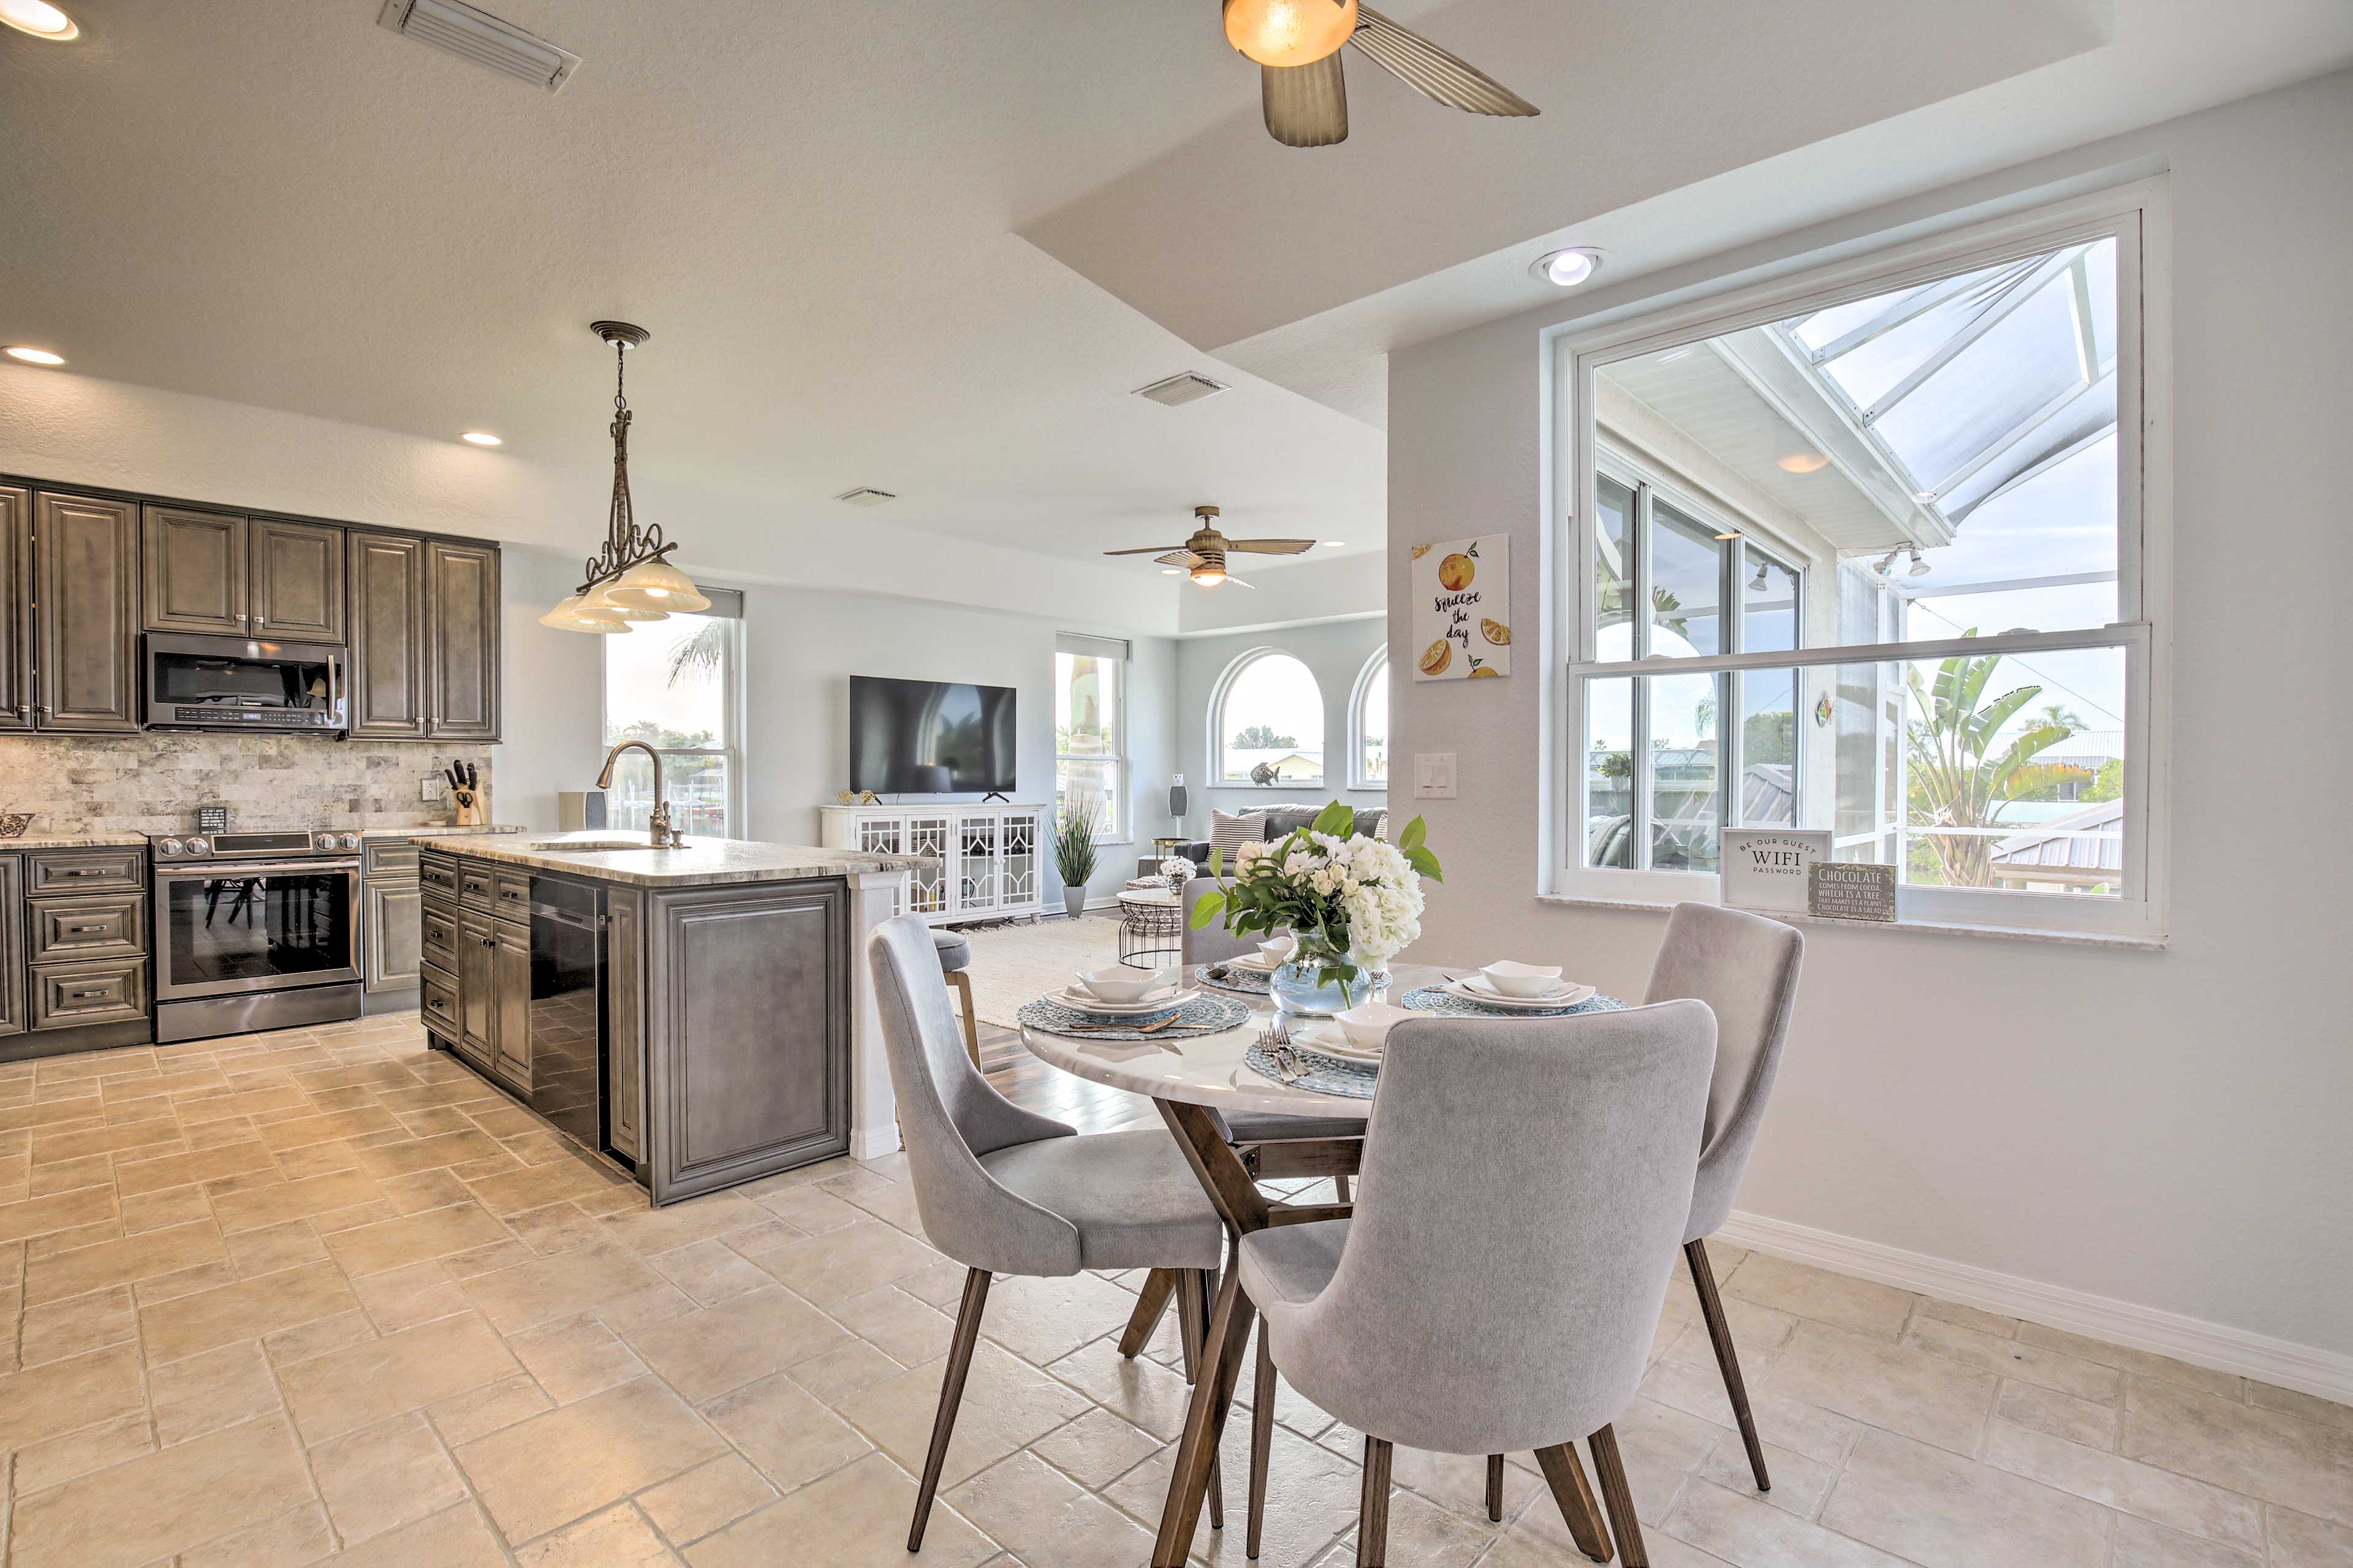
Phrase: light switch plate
[1434,775]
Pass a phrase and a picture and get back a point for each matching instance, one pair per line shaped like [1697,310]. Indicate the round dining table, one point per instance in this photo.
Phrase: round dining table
[1188,1079]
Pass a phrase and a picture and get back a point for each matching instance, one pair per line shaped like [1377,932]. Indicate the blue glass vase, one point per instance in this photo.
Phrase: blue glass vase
[1295,990]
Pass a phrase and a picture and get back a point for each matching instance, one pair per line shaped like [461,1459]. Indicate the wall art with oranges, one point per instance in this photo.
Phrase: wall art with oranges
[1463,608]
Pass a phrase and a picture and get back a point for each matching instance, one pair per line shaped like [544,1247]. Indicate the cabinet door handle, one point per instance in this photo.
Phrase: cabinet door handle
[84,995]
[83,930]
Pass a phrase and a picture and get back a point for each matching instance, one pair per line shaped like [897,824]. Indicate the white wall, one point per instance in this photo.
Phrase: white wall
[1335,651]
[2163,1129]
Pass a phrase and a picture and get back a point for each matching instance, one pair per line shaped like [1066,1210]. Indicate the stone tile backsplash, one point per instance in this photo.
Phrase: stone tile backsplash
[154,783]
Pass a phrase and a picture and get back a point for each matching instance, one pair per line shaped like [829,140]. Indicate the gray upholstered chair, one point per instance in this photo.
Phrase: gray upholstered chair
[955,949]
[1505,1302]
[1745,967]
[1005,1191]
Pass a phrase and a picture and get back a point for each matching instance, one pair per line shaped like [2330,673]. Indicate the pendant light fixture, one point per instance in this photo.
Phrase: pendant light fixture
[627,581]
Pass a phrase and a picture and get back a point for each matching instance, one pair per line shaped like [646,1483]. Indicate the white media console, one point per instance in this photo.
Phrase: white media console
[991,863]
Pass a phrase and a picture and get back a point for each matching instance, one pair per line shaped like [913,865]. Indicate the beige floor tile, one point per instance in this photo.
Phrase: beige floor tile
[1882,1383]
[176,1496]
[710,1271]
[1857,1305]
[709,1497]
[1097,1449]
[1943,1511]
[2288,1402]
[1007,1404]
[293,1132]
[847,1262]
[414,1238]
[295,1539]
[1037,1512]
[549,1287]
[403,1298]
[519,1187]
[250,1309]
[51,1145]
[855,1518]
[56,1330]
[304,1199]
[307,1342]
[2128,1486]
[555,1227]
[56,1460]
[2046,1410]
[1312,1496]
[80,1391]
[2300,1465]
[58,1211]
[617,1538]
[1983,1321]
[785,1432]
[87,1269]
[425,1190]
[384,1476]
[275,1247]
[371,1381]
[457,1537]
[1800,1484]
[650,1230]
[2300,1541]
[907,1331]
[2019,1362]
[575,1357]
[811,1211]
[489,1408]
[406,1158]
[706,1353]
[1809,1430]
[1141,1392]
[2141,1544]
[1747,1533]
[133,1176]
[844,1369]
[207,1391]
[2165,1369]
[1758,1332]
[612,1444]
[1042,1320]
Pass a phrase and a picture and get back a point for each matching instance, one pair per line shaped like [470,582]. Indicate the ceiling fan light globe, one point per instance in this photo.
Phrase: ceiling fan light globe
[656,586]
[1289,32]
[1209,576]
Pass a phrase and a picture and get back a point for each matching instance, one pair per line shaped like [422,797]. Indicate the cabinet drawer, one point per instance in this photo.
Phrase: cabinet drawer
[438,873]
[474,881]
[67,996]
[510,894]
[66,930]
[438,924]
[391,860]
[437,1001]
[84,870]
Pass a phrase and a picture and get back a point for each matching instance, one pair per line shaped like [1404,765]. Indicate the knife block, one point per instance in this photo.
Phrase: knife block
[472,810]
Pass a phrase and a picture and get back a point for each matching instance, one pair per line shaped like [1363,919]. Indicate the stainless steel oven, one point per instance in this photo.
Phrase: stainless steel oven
[257,930]
[245,683]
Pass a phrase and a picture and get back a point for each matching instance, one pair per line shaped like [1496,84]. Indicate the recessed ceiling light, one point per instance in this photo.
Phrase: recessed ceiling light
[39,18]
[1334,543]
[1568,268]
[33,356]
[1172,571]
[1802,463]
[481,439]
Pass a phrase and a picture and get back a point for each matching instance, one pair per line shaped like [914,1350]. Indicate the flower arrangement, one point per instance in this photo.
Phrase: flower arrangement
[1353,902]
[1179,871]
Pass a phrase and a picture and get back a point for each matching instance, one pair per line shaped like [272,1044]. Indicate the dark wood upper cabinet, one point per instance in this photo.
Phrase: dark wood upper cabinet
[461,640]
[86,599]
[298,580]
[387,627]
[195,570]
[15,609]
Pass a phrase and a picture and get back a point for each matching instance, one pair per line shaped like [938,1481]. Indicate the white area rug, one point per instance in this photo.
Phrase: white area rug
[1017,963]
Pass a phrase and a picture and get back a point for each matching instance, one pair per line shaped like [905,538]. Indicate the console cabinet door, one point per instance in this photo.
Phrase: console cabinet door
[86,616]
[16,609]
[194,565]
[298,580]
[386,606]
[461,641]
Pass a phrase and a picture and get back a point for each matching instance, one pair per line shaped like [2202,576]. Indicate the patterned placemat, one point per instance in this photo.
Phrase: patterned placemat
[1438,999]
[1324,1074]
[1201,1015]
[1226,977]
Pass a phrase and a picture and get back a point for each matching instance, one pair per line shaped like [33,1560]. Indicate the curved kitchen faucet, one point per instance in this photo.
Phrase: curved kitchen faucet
[665,837]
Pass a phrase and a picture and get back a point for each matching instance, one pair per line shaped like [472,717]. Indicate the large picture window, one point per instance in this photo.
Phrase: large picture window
[1864,552]
[1269,722]
[1091,728]
[674,684]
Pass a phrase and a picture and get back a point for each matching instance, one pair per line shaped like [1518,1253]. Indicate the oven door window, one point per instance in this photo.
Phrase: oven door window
[211,680]
[239,933]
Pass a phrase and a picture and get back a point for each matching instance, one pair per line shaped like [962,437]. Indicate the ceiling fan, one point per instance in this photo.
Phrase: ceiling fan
[1203,556]
[1297,45]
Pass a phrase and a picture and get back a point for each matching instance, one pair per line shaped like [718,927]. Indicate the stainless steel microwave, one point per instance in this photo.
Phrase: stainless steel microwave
[245,683]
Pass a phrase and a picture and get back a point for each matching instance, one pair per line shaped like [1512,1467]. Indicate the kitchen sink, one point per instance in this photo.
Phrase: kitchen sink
[588,846]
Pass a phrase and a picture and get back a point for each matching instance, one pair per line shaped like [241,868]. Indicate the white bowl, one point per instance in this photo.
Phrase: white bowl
[1367,1025]
[1279,951]
[1122,983]
[1523,980]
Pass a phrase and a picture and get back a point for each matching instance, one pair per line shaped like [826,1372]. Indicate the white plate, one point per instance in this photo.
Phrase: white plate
[1255,962]
[1087,1002]
[1474,988]
[1328,1039]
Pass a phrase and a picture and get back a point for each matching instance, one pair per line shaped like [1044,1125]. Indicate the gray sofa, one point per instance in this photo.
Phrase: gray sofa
[1281,820]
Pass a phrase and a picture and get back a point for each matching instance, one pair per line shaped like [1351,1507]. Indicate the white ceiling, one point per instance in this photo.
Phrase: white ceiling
[819,211]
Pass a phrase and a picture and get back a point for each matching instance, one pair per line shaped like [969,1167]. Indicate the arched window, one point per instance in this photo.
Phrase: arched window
[1368,725]
[1270,719]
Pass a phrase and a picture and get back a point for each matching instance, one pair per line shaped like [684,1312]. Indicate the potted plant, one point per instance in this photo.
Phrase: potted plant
[1353,903]
[1074,853]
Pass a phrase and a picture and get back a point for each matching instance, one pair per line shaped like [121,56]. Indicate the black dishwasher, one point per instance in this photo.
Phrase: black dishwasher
[567,961]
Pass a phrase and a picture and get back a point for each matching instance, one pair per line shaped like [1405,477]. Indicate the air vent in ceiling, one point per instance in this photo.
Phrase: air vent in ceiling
[866,496]
[1178,390]
[482,38]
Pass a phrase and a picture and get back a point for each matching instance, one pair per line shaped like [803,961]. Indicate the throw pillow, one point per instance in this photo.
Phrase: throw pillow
[1229,833]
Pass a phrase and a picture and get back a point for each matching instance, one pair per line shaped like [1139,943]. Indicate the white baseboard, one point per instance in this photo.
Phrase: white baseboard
[2304,1368]
[873,1143]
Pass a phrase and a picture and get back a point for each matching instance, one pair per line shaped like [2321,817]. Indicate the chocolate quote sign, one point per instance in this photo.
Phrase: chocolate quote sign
[1852,891]
[1463,608]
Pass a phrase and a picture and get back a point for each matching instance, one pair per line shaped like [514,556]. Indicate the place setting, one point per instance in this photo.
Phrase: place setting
[1340,1055]
[1251,974]
[1121,1002]
[1508,989]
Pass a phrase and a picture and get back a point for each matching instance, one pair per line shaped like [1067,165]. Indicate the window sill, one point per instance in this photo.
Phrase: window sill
[1927,927]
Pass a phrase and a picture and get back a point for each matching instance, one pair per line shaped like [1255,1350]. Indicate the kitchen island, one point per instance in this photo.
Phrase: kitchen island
[703,1014]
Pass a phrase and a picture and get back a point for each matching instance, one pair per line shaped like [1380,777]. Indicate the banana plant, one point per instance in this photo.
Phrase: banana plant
[1961,766]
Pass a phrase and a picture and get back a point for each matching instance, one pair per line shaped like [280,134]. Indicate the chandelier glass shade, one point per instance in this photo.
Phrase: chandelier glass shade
[652,589]
[574,615]
[628,580]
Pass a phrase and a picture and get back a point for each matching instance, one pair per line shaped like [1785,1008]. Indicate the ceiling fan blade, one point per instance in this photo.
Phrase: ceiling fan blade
[1240,584]
[1177,558]
[1431,70]
[1306,106]
[1148,550]
[1270,546]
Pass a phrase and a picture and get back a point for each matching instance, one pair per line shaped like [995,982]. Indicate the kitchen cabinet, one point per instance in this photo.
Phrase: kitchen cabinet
[15,609]
[12,1020]
[387,608]
[74,943]
[86,615]
[510,1012]
[395,952]
[193,564]
[461,640]
[296,570]
[478,1018]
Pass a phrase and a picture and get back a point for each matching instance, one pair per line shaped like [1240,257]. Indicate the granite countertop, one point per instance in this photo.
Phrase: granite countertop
[703,862]
[443,832]
[92,838]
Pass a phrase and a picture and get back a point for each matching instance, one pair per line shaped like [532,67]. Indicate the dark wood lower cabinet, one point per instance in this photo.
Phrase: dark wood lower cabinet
[510,1012]
[477,993]
[625,1021]
[12,944]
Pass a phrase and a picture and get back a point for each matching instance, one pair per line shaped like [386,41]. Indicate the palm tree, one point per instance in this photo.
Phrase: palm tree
[2066,717]
[1959,778]
[699,652]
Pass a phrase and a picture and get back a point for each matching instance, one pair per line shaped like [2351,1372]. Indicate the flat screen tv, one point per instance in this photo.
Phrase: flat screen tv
[930,737]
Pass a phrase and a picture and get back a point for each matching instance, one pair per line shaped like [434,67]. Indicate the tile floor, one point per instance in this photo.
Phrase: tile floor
[320,1295]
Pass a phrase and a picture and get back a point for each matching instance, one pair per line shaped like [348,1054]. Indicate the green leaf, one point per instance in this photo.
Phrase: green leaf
[1336,819]
[1218,863]
[1423,861]
[1208,908]
[1415,832]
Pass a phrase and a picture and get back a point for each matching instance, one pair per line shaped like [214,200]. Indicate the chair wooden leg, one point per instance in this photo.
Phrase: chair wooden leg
[1340,1185]
[1373,1518]
[1151,1306]
[1719,1334]
[963,983]
[1227,1341]
[1496,1489]
[1566,1476]
[967,1333]
[1263,1387]
[1193,1317]
[1621,1501]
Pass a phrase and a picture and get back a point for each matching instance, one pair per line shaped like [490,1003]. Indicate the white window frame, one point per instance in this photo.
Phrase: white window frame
[732,701]
[1357,777]
[1120,828]
[1224,689]
[2139,216]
